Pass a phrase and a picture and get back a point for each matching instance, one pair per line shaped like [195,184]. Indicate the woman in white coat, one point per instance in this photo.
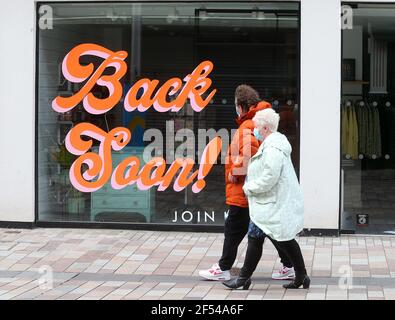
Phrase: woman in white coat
[275,201]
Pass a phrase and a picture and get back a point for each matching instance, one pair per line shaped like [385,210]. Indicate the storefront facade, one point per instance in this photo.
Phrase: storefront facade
[163,41]
[290,51]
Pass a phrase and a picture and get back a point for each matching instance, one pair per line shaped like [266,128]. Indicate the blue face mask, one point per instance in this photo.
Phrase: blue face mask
[257,134]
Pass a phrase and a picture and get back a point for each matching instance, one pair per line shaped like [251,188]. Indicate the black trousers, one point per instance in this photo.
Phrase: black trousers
[254,252]
[236,227]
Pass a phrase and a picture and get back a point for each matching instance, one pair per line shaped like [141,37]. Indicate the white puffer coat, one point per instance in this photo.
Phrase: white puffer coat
[274,195]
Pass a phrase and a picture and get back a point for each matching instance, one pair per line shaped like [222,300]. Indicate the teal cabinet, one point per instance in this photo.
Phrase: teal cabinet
[129,200]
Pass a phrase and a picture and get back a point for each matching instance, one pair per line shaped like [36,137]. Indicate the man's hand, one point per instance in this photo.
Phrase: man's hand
[231,178]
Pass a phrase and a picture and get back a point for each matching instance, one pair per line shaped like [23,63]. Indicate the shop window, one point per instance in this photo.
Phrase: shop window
[255,43]
[368,120]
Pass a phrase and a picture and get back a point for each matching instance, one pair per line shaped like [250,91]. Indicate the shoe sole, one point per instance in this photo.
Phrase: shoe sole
[245,287]
[214,279]
[286,278]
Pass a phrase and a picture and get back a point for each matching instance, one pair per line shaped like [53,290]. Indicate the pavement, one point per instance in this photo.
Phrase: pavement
[71,264]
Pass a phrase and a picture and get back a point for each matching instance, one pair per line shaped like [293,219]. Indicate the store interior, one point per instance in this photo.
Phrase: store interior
[368,121]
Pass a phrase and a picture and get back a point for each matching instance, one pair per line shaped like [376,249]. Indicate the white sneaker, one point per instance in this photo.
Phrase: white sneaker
[215,273]
[284,274]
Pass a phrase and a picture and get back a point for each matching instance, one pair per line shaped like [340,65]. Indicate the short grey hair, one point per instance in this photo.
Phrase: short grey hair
[267,117]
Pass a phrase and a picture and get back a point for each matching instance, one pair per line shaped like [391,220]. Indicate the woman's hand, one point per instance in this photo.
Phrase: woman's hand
[245,189]
[231,178]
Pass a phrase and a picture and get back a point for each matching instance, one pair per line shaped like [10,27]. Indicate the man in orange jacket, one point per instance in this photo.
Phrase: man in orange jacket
[243,146]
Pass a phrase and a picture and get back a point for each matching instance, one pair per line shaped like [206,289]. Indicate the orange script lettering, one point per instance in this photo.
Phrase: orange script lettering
[100,170]
[192,87]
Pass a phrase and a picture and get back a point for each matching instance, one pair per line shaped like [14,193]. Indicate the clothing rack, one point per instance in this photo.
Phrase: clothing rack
[367,128]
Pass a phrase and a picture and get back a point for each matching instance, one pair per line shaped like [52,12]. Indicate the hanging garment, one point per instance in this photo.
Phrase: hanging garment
[354,135]
[377,133]
[344,130]
[350,132]
[385,115]
[369,131]
[363,126]
[359,112]
[392,133]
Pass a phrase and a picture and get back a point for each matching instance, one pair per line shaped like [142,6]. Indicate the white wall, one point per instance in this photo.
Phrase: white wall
[17,110]
[320,112]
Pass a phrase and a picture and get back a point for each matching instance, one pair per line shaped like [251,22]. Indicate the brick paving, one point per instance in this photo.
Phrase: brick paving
[80,264]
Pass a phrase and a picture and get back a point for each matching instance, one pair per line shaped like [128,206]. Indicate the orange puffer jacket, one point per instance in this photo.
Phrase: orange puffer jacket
[243,146]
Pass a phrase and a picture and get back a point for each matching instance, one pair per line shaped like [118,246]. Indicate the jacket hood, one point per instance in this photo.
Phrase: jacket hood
[252,111]
[279,141]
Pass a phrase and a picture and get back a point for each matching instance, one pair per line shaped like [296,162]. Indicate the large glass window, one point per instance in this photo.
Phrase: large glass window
[368,119]
[255,43]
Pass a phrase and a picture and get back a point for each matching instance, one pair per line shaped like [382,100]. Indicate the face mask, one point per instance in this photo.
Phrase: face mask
[257,134]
